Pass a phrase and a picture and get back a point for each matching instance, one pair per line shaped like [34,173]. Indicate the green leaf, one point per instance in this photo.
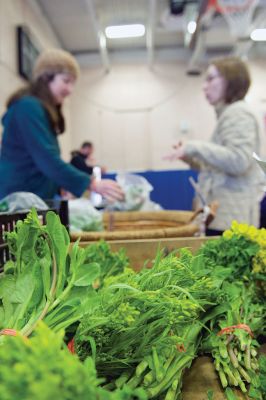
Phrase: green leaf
[45,265]
[230,394]
[7,286]
[8,312]
[86,274]
[24,287]
[210,394]
[60,245]
[2,317]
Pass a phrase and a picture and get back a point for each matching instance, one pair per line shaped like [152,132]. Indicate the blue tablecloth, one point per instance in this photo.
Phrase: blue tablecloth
[171,189]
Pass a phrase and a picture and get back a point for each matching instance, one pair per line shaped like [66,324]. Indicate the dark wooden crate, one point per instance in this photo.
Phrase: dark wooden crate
[8,222]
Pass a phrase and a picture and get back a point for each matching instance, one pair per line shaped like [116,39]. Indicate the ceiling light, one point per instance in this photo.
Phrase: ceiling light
[191,27]
[125,31]
[258,35]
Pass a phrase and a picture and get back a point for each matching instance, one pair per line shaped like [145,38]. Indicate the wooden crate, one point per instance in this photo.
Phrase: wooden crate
[141,251]
[8,222]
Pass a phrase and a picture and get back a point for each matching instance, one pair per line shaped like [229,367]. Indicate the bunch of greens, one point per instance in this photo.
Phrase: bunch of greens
[235,254]
[231,338]
[46,280]
[242,249]
[41,368]
[231,341]
[147,327]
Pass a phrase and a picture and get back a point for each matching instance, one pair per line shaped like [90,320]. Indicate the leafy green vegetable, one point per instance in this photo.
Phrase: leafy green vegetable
[234,254]
[41,283]
[230,339]
[42,368]
[145,330]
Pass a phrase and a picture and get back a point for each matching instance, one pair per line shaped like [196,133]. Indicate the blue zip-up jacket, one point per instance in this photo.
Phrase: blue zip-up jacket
[30,155]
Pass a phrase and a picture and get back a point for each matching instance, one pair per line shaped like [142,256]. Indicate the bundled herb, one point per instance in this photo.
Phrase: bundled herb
[232,343]
[146,329]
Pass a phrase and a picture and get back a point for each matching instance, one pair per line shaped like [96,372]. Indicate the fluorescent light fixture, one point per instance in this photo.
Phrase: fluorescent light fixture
[125,31]
[191,27]
[258,35]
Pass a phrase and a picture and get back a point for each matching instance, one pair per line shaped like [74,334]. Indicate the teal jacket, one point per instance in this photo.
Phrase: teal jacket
[30,155]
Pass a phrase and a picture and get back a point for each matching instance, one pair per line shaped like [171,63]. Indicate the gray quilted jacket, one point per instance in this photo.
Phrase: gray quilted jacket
[228,172]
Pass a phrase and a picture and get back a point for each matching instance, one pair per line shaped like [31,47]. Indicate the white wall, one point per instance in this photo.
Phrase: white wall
[134,115]
[12,14]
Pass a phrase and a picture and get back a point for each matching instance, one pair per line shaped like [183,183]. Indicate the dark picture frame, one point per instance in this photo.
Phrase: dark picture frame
[28,51]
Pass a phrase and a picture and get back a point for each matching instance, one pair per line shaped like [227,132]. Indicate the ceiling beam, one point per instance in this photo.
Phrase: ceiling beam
[198,40]
[151,25]
[101,39]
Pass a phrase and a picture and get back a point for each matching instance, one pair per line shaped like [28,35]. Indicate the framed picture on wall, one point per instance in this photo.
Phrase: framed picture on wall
[27,52]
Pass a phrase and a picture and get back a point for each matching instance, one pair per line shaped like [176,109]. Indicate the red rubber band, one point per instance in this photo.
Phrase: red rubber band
[71,346]
[230,329]
[9,332]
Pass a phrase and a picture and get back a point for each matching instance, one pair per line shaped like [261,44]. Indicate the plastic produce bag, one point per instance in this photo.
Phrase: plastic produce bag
[21,201]
[83,216]
[137,192]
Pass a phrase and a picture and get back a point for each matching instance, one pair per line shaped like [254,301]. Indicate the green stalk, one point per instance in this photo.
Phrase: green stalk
[230,375]
[223,379]
[134,381]
[217,364]
[244,374]
[239,380]
[29,328]
[141,367]
[158,371]
[123,378]
[172,391]
[232,356]
[172,371]
[148,378]
[63,294]
[230,394]
[247,358]
[169,361]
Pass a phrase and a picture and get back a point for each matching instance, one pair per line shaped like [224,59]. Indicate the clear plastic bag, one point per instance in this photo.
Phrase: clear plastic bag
[137,192]
[22,201]
[83,216]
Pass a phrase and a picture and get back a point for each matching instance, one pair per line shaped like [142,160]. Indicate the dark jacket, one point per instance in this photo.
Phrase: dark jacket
[30,155]
[79,161]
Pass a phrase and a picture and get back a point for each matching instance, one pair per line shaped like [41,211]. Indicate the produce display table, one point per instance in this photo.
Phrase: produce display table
[202,376]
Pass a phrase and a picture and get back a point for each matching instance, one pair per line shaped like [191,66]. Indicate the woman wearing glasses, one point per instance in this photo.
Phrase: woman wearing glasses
[228,173]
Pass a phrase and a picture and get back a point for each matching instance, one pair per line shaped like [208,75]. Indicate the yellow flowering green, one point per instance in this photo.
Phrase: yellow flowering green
[255,235]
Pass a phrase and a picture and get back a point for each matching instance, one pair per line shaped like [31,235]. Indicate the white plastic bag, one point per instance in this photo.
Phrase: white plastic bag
[83,216]
[137,191]
[23,201]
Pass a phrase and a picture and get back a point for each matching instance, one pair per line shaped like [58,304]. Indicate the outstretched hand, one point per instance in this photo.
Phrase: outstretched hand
[109,189]
[177,154]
